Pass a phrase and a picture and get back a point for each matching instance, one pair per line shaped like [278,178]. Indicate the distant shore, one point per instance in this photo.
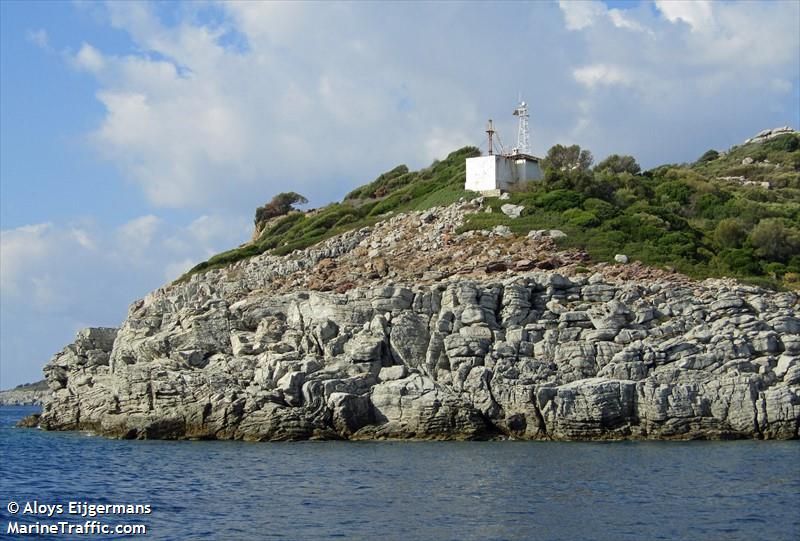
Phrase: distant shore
[29,394]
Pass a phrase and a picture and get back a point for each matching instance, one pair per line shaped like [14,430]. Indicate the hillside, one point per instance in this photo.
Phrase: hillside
[394,191]
[734,213]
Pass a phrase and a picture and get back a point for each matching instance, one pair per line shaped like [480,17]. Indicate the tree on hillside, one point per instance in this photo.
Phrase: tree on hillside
[619,164]
[570,158]
[281,204]
[730,233]
[773,240]
[708,156]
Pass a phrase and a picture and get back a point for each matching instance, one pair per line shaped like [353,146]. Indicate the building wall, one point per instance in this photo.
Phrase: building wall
[506,173]
[499,173]
[528,171]
[481,173]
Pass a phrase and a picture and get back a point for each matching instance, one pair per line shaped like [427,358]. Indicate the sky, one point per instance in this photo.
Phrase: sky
[137,139]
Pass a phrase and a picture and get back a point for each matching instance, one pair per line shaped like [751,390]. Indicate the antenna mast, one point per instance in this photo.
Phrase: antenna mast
[523,135]
[490,131]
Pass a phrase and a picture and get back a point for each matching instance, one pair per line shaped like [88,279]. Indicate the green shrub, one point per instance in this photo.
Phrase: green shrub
[638,226]
[783,143]
[559,200]
[602,209]
[346,219]
[708,156]
[380,186]
[776,270]
[707,205]
[730,233]
[581,218]
[625,197]
[774,240]
[675,190]
[678,244]
[619,164]
[571,158]
[740,261]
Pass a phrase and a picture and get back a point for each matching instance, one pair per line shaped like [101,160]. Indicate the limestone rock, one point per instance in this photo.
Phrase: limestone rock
[431,346]
[512,211]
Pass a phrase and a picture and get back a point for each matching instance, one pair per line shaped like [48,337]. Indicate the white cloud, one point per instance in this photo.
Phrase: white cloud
[781,85]
[176,269]
[701,74]
[48,261]
[292,96]
[21,249]
[40,38]
[82,237]
[620,20]
[698,13]
[602,74]
[195,121]
[89,59]
[140,229]
[210,229]
[580,14]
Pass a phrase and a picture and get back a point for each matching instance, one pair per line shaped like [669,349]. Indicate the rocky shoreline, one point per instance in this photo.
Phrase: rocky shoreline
[361,337]
[25,395]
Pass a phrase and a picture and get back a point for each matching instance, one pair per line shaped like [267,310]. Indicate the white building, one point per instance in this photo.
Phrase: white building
[495,173]
[500,173]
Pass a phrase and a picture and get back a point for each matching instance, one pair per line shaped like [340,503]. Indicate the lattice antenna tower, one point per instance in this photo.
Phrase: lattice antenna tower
[523,134]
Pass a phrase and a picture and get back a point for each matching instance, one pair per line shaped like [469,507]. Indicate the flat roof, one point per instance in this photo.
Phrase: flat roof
[518,156]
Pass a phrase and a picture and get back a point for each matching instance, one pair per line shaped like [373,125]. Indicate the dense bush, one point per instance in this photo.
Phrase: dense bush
[571,158]
[559,200]
[382,185]
[602,209]
[674,191]
[708,156]
[773,240]
[619,164]
[581,218]
[730,233]
[741,261]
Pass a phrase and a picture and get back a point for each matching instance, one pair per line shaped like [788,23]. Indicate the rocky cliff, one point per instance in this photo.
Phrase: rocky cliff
[408,330]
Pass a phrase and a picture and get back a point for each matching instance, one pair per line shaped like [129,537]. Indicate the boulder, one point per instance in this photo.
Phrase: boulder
[512,211]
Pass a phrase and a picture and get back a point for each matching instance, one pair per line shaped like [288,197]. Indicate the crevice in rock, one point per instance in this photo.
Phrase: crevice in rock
[540,419]
[756,424]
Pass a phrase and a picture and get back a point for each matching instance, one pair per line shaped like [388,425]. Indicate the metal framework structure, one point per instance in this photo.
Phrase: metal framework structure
[523,135]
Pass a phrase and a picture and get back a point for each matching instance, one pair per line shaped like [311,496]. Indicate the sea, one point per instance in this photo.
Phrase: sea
[730,490]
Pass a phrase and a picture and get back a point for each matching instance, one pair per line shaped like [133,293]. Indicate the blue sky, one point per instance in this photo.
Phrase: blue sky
[137,139]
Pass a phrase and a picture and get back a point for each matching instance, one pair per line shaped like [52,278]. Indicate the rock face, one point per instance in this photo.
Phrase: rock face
[242,354]
[766,135]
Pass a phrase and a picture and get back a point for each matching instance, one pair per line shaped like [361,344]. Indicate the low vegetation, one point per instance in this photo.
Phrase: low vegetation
[708,218]
[713,217]
[397,190]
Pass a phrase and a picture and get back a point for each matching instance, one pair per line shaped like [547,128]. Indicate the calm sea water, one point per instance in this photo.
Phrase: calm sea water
[438,491]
